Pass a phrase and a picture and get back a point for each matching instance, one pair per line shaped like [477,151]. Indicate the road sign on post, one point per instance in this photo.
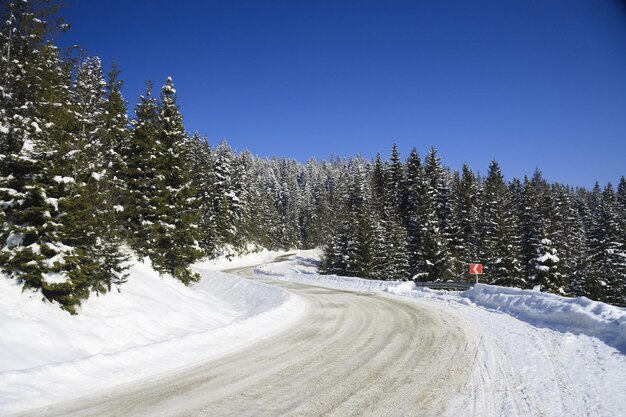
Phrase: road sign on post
[476,270]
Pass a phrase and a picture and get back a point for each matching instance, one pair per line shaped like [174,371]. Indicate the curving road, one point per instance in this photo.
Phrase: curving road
[350,354]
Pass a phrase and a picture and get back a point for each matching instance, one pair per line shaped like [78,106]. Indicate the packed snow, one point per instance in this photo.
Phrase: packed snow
[150,325]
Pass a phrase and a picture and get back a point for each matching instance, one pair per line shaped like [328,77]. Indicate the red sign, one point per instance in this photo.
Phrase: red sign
[476,269]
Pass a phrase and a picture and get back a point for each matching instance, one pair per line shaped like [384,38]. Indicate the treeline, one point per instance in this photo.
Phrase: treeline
[418,219]
[82,186]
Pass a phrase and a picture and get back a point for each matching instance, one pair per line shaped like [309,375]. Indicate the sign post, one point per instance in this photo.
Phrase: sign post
[476,270]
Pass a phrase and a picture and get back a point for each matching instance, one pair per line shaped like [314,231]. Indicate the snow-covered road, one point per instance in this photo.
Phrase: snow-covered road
[349,354]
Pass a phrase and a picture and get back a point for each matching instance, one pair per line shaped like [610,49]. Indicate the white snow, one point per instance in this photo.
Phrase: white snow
[15,239]
[54,202]
[148,326]
[63,180]
[540,354]
[36,126]
[118,208]
[574,315]
[27,147]
[548,256]
[55,277]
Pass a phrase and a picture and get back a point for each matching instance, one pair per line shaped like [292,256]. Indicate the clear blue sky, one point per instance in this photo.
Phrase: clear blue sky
[530,83]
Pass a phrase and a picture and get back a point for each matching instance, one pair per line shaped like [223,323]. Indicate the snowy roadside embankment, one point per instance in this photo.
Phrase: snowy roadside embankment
[152,325]
[575,315]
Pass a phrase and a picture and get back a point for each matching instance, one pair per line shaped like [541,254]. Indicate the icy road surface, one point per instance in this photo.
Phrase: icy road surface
[350,354]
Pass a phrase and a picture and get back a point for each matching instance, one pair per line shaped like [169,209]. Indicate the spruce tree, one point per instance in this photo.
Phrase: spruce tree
[37,139]
[547,265]
[467,213]
[499,240]
[204,184]
[607,256]
[175,229]
[141,176]
[94,218]
[414,186]
[435,229]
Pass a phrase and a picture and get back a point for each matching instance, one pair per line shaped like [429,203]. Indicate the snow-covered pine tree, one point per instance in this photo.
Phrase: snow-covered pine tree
[320,223]
[436,237]
[392,216]
[36,137]
[583,272]
[547,265]
[456,243]
[349,250]
[607,255]
[499,241]
[394,181]
[414,187]
[226,203]
[141,176]
[269,232]
[570,234]
[358,254]
[244,192]
[621,207]
[204,184]
[94,218]
[175,227]
[532,222]
[467,213]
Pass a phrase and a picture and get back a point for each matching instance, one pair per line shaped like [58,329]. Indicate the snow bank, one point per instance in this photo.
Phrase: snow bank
[575,315]
[149,326]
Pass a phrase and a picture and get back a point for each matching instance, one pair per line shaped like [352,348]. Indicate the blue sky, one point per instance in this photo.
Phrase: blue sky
[529,83]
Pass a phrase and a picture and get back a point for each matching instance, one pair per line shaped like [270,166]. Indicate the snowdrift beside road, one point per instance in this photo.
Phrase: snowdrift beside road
[575,315]
[150,326]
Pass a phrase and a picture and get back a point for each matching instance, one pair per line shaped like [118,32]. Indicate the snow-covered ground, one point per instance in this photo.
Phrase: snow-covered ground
[562,356]
[151,325]
[539,355]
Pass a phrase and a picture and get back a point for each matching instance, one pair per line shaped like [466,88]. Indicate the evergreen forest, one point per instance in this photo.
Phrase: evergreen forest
[83,185]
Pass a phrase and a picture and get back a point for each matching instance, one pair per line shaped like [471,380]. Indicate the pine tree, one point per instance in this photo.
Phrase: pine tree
[204,184]
[226,201]
[36,183]
[570,236]
[547,265]
[467,213]
[499,241]
[621,207]
[175,229]
[435,228]
[607,256]
[141,176]
[94,218]
[534,220]
[414,187]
